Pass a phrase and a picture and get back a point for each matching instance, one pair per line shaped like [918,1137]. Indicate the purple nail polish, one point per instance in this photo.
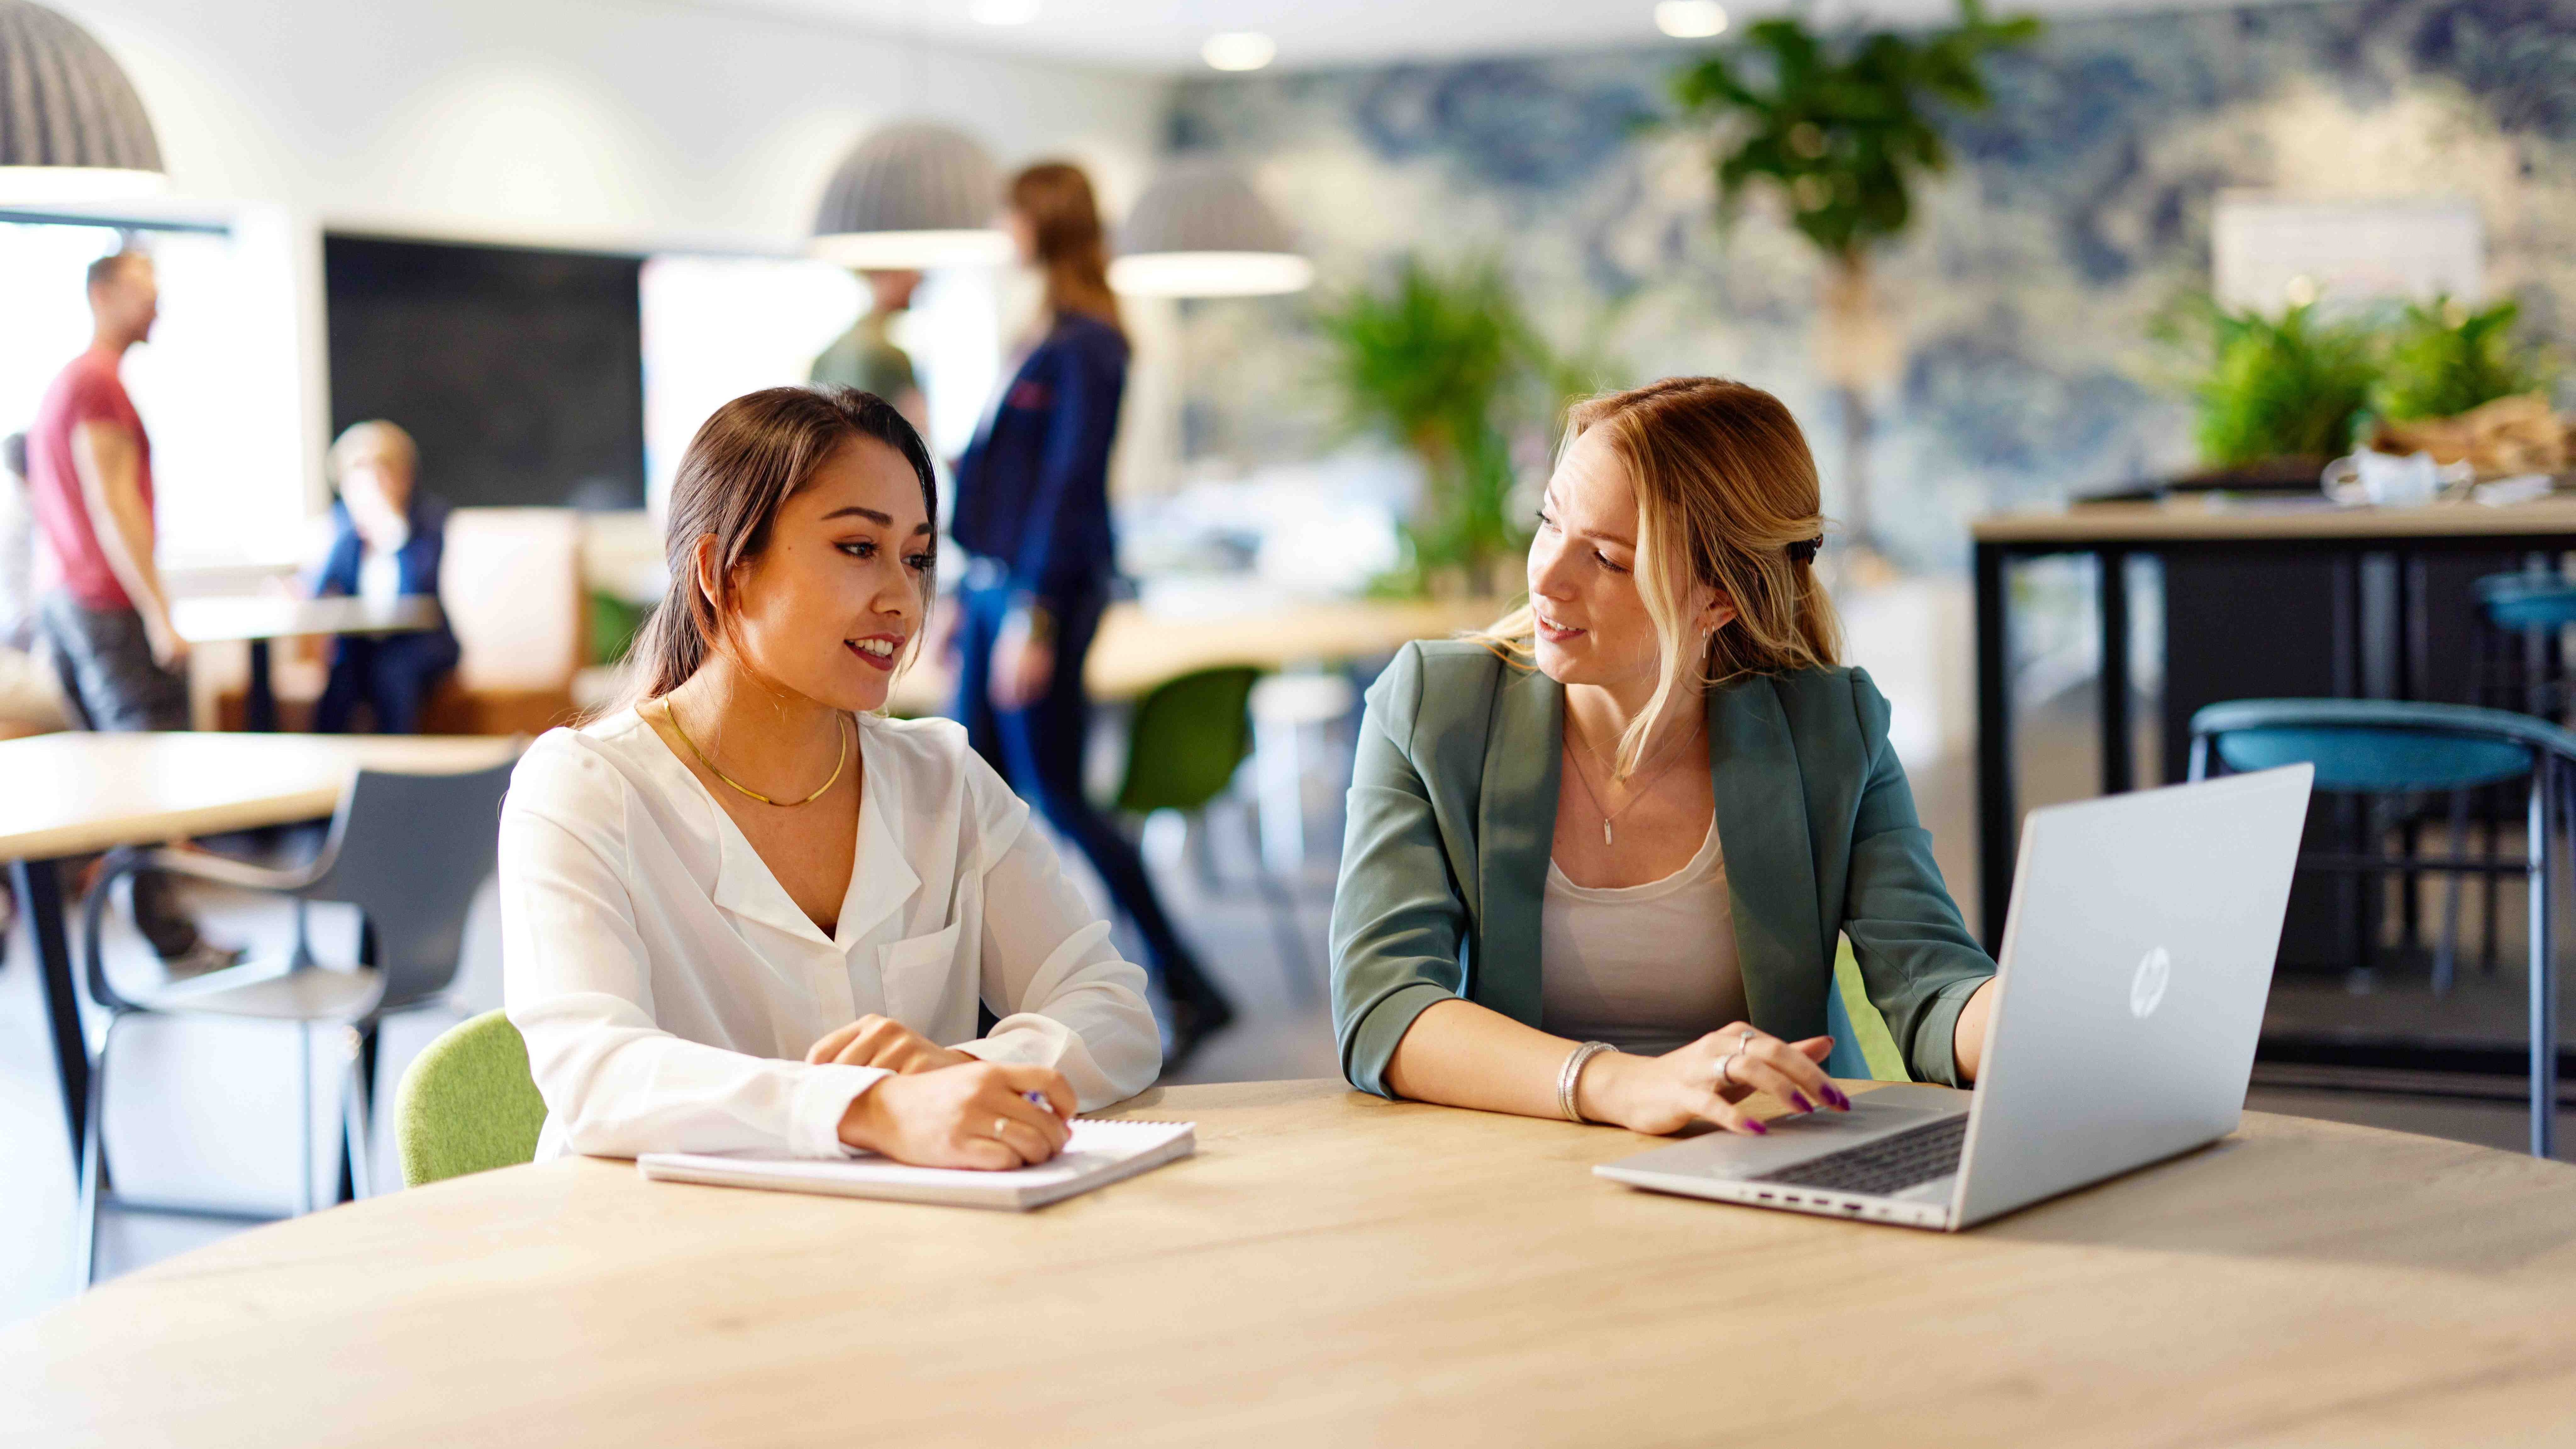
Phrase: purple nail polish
[1799,1101]
[1755,1126]
[1835,1095]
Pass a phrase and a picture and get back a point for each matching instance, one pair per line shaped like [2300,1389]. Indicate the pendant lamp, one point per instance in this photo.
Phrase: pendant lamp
[71,127]
[912,195]
[1201,231]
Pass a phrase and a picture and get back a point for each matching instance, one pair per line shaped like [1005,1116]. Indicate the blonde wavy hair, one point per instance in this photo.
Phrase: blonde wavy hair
[1726,497]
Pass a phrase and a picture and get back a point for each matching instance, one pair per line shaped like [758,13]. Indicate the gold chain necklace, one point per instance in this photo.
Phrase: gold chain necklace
[1607,815]
[837,765]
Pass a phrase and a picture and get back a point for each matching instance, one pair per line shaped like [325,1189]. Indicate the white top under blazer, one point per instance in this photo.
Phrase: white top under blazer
[668,987]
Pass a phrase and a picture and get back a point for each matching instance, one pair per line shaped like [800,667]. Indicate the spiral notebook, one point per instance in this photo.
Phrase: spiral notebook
[1101,1152]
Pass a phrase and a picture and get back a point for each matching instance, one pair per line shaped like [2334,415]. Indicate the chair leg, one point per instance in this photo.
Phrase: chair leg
[304,1114]
[2544,1002]
[357,1138]
[2446,958]
[93,1183]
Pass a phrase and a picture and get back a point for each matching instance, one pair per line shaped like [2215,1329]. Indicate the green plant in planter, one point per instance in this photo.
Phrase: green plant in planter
[2444,359]
[1844,128]
[2294,385]
[1442,364]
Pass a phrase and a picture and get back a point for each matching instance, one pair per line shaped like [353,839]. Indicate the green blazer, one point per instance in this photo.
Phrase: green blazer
[1453,810]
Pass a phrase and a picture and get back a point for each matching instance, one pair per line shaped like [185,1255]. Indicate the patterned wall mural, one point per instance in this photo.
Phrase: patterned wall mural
[2079,207]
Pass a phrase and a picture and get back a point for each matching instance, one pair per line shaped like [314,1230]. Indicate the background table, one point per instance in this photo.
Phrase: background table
[257,619]
[2202,525]
[1137,649]
[1335,1269]
[78,793]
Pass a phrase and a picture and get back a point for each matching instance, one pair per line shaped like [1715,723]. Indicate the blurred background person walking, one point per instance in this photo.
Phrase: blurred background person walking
[1032,514]
[106,616]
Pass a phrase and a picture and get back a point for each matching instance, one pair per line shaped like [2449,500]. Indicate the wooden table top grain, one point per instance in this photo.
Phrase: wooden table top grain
[75,792]
[1335,1269]
[2203,519]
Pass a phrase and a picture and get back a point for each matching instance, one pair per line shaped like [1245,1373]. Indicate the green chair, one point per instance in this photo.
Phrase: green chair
[1185,741]
[467,1103]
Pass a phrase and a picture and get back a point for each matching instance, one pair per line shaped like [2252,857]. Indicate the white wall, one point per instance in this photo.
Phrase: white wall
[616,124]
[608,122]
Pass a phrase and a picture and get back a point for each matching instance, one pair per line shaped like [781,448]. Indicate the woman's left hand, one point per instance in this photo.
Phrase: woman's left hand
[1022,665]
[882,1041]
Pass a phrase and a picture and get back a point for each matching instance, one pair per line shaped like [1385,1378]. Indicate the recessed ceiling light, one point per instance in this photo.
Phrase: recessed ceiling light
[1003,12]
[1690,19]
[1239,50]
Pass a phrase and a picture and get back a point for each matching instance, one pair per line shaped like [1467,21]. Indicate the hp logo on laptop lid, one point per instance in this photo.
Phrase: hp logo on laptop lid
[2147,988]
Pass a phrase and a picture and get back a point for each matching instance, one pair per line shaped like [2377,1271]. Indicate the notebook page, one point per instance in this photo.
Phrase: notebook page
[1098,1152]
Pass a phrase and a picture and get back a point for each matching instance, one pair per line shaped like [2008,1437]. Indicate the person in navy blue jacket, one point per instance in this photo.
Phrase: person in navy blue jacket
[1033,515]
[387,542]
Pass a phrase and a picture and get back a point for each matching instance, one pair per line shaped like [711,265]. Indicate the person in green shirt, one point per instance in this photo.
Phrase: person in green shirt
[866,357]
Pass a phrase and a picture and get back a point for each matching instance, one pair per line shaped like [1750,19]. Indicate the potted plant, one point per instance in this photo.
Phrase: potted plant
[1443,364]
[1842,128]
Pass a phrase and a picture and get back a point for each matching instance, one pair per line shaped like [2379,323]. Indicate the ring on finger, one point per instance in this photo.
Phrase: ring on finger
[998,1124]
[1726,1064]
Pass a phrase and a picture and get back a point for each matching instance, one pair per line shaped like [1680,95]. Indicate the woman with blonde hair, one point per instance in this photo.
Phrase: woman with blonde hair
[1599,856]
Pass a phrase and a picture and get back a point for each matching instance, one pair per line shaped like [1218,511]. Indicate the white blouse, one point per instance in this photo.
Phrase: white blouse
[668,986]
[1648,968]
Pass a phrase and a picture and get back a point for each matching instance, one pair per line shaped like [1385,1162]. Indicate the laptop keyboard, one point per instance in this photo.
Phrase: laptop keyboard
[1885,1165]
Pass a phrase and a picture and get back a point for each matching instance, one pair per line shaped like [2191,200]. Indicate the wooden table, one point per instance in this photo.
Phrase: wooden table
[257,619]
[77,793]
[2111,533]
[1335,1269]
[1137,649]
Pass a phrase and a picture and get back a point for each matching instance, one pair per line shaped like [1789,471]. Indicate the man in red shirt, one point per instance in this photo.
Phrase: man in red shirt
[89,485]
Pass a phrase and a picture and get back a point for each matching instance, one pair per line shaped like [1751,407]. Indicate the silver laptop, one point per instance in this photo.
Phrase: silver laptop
[2137,956]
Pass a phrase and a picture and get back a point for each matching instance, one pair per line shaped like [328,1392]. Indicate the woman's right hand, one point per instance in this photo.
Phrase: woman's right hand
[976,1115]
[1706,1080]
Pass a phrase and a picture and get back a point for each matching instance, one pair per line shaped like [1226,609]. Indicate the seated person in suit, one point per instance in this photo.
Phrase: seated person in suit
[1599,856]
[387,539]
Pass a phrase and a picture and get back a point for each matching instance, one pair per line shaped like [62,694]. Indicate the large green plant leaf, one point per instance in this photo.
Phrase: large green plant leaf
[1845,127]
[2444,359]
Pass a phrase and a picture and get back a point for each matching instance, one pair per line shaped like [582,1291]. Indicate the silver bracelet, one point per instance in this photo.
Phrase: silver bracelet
[1573,1073]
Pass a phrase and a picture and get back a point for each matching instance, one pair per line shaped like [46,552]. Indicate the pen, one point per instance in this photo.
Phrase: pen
[1039,1099]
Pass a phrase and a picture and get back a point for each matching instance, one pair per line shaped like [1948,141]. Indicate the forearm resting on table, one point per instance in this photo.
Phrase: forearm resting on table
[1968,1038]
[1460,1054]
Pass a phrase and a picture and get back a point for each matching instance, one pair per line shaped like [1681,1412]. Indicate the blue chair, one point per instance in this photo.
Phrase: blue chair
[2516,662]
[2394,748]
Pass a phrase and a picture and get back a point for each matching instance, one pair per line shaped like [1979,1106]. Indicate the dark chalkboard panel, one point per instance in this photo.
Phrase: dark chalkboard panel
[520,371]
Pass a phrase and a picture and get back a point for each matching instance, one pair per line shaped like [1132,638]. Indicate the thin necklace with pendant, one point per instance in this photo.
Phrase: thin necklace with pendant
[837,765]
[1609,815]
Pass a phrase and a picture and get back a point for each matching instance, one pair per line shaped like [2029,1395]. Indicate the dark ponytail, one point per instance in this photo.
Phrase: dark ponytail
[747,460]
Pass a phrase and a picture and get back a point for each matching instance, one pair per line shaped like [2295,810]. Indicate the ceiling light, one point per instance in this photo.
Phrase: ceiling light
[1690,19]
[1003,12]
[1239,50]
[1201,231]
[909,196]
[71,126]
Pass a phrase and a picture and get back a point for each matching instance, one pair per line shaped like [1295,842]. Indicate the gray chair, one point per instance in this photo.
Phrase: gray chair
[409,851]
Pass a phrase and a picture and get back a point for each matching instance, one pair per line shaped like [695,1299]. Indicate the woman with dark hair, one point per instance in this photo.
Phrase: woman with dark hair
[747,912]
[1033,514]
